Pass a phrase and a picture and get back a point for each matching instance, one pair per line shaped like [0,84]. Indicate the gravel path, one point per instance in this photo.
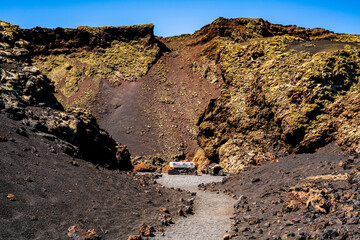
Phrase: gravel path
[212,215]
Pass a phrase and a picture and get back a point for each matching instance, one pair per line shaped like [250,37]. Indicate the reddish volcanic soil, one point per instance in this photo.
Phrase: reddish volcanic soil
[149,115]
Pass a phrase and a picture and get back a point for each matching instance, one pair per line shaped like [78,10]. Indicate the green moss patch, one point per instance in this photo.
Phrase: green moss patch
[280,101]
[121,61]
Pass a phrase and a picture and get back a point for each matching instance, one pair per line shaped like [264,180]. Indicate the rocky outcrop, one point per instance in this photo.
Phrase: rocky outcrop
[244,29]
[286,89]
[65,40]
[284,94]
[27,95]
[78,60]
[144,168]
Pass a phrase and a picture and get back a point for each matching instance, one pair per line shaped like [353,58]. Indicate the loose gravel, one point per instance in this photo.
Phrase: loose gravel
[212,211]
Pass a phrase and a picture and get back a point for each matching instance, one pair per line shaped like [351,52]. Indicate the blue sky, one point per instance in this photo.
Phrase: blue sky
[178,17]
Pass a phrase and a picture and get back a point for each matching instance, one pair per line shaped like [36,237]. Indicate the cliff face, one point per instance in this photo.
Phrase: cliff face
[140,88]
[244,29]
[292,90]
[47,41]
[26,95]
[78,60]
[268,90]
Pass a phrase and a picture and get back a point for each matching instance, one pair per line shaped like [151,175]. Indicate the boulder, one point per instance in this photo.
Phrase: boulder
[215,170]
[165,219]
[146,230]
[144,168]
[201,161]
[312,197]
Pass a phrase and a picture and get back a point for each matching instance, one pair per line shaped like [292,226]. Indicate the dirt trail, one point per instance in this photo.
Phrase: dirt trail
[212,211]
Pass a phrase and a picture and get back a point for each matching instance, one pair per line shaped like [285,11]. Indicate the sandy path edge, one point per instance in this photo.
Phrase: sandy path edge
[212,215]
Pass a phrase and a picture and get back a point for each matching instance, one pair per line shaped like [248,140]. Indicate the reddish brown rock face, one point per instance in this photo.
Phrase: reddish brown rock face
[284,93]
[144,168]
[27,95]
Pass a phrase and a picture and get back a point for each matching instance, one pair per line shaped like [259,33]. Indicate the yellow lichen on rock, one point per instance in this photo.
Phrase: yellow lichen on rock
[121,61]
[200,160]
[291,99]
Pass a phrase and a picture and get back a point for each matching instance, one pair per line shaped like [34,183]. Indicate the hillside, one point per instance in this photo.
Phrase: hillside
[274,89]
[287,90]
[47,181]
[244,93]
[139,87]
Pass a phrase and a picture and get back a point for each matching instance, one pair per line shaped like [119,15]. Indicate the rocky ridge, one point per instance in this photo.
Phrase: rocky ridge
[268,91]
[273,90]
[288,90]
[27,96]
[78,60]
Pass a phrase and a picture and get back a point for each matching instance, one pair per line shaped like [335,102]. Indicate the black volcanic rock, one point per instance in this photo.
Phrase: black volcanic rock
[47,40]
[27,95]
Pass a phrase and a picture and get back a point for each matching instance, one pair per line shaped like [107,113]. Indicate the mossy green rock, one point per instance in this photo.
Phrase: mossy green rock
[281,99]
[78,71]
